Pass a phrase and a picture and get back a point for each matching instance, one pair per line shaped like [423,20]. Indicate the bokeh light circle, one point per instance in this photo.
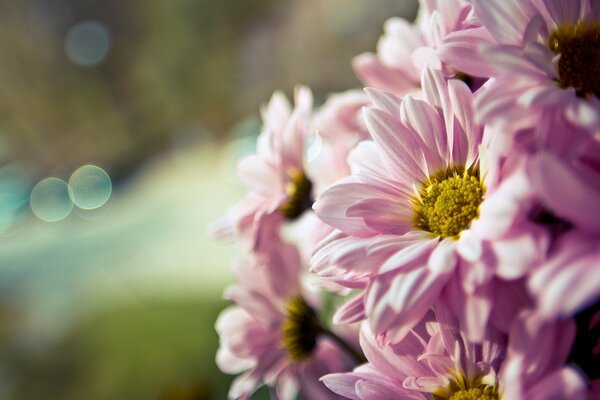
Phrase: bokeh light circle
[87,43]
[50,201]
[90,187]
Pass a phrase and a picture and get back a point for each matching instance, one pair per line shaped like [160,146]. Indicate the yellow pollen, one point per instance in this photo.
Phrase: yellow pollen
[579,63]
[463,388]
[299,191]
[449,202]
[477,393]
[300,330]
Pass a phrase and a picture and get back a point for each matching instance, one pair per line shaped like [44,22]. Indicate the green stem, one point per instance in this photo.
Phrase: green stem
[356,355]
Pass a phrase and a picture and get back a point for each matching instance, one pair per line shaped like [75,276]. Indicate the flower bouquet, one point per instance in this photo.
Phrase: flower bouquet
[437,235]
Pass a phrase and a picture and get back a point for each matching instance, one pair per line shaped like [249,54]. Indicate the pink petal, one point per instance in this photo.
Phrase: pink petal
[516,255]
[231,364]
[352,311]
[384,100]
[443,257]
[383,215]
[460,49]
[505,20]
[563,11]
[565,383]
[562,190]
[428,124]
[509,59]
[331,206]
[407,255]
[260,176]
[397,144]
[373,73]
[342,384]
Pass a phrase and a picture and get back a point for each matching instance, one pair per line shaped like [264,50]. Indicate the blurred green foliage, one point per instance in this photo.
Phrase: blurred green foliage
[171,68]
[156,350]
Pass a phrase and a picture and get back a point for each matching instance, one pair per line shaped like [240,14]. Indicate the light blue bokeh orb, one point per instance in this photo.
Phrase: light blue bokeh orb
[50,201]
[87,43]
[90,187]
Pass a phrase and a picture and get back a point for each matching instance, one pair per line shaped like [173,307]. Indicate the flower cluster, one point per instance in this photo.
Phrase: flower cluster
[451,216]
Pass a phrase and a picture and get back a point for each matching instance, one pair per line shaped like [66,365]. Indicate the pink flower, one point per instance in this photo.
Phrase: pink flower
[278,185]
[273,332]
[546,55]
[424,212]
[445,37]
[298,155]
[437,361]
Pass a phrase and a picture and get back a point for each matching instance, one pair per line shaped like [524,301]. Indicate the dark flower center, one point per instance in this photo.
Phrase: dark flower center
[579,63]
[300,330]
[471,82]
[448,202]
[585,352]
[544,217]
[299,192]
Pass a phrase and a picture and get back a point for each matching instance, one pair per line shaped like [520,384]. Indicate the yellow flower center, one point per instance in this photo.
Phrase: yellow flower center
[300,330]
[463,388]
[579,63]
[449,202]
[299,191]
[477,393]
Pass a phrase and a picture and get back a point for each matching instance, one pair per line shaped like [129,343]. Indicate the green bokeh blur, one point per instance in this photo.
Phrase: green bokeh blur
[120,302]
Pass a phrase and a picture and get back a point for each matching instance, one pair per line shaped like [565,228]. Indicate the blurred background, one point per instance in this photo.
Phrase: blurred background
[120,126]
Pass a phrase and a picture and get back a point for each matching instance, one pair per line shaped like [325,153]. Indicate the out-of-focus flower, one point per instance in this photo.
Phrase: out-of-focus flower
[445,36]
[298,155]
[546,56]
[279,187]
[274,333]
[337,127]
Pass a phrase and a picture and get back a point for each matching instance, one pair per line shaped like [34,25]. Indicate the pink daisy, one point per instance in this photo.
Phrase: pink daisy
[278,186]
[436,361]
[424,208]
[336,128]
[445,36]
[298,154]
[273,334]
[546,55]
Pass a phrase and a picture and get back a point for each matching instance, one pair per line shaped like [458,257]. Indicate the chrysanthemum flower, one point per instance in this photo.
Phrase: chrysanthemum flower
[273,334]
[279,187]
[298,154]
[546,56]
[437,362]
[445,36]
[423,208]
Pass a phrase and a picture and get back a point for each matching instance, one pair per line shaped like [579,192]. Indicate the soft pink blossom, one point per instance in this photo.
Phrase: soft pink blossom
[401,267]
[437,358]
[299,153]
[528,77]
[445,36]
[252,332]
